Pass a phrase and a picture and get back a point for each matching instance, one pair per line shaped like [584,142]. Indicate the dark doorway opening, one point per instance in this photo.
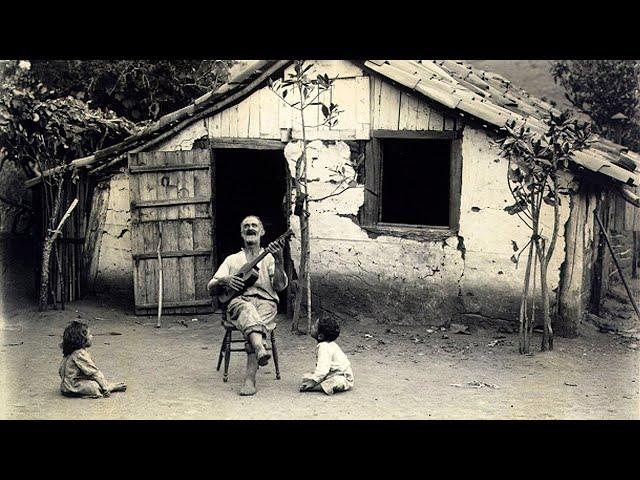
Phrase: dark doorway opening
[249,182]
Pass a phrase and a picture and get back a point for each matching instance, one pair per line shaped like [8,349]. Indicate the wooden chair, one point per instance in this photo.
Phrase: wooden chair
[226,347]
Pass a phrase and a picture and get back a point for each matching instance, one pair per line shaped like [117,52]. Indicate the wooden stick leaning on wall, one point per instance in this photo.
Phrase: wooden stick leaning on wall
[160,280]
[615,260]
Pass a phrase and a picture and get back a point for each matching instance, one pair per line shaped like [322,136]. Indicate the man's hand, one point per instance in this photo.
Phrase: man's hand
[232,281]
[275,249]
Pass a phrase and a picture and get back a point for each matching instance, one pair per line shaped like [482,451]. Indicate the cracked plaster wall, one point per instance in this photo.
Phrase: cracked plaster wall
[491,282]
[115,270]
[407,281]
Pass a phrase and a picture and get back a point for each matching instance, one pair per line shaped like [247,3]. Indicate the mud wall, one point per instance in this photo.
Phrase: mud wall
[409,280]
[114,274]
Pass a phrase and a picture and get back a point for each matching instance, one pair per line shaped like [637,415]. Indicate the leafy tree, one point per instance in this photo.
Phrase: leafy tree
[40,131]
[608,91]
[534,179]
[134,89]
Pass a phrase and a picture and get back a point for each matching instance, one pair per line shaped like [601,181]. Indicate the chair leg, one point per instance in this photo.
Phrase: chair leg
[222,349]
[274,350]
[227,356]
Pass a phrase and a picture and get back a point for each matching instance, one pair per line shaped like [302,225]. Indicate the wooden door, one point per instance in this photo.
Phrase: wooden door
[171,201]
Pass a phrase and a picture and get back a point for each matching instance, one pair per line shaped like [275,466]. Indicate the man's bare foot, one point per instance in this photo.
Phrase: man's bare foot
[249,388]
[119,387]
[263,356]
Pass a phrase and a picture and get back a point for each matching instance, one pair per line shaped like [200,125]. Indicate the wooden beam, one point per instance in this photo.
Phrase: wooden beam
[248,143]
[170,202]
[187,303]
[417,134]
[629,196]
[182,253]
[167,168]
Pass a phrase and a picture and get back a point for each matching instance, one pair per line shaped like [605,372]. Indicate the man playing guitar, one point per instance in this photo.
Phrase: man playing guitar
[253,302]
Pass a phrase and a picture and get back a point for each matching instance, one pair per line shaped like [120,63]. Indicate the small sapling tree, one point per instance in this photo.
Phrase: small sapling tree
[534,179]
[301,90]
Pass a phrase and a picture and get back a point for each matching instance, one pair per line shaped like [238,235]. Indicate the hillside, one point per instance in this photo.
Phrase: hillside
[532,75]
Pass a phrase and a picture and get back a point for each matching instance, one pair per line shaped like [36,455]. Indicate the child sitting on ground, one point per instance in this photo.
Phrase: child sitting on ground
[333,369]
[80,376]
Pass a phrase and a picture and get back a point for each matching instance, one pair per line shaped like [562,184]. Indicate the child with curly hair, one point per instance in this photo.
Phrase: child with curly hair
[333,370]
[80,376]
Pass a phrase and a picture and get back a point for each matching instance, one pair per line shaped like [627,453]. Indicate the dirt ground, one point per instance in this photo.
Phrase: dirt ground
[400,372]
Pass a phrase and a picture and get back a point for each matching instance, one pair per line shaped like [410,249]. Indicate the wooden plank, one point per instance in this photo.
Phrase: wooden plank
[215,125]
[374,101]
[254,114]
[166,168]
[409,107]
[201,212]
[186,263]
[449,122]
[171,270]
[436,120]
[174,304]
[244,109]
[233,121]
[372,182]
[203,273]
[389,107]
[225,130]
[248,143]
[194,252]
[149,267]
[455,184]
[285,117]
[363,108]
[187,190]
[269,111]
[187,278]
[202,235]
[423,114]
[171,202]
[417,134]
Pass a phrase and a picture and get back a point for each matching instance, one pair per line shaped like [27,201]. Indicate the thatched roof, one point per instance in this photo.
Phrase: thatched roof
[485,96]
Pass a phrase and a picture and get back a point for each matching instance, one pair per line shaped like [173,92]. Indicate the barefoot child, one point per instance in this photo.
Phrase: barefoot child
[333,369]
[80,376]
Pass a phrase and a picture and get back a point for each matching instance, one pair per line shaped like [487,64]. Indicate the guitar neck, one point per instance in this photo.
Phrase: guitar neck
[257,260]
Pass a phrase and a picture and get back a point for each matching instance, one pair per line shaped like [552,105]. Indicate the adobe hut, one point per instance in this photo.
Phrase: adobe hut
[420,238]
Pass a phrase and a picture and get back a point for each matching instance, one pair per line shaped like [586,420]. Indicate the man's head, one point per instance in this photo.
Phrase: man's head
[325,330]
[251,230]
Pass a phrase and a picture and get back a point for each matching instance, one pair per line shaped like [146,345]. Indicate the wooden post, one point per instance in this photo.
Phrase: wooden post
[636,247]
[570,304]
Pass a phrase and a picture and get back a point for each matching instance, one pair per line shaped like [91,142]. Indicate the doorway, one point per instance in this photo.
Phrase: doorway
[249,182]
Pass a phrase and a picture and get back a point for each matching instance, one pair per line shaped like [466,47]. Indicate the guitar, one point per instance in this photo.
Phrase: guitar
[248,273]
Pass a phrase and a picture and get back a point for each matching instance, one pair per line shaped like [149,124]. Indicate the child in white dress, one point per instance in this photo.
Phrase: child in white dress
[333,370]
